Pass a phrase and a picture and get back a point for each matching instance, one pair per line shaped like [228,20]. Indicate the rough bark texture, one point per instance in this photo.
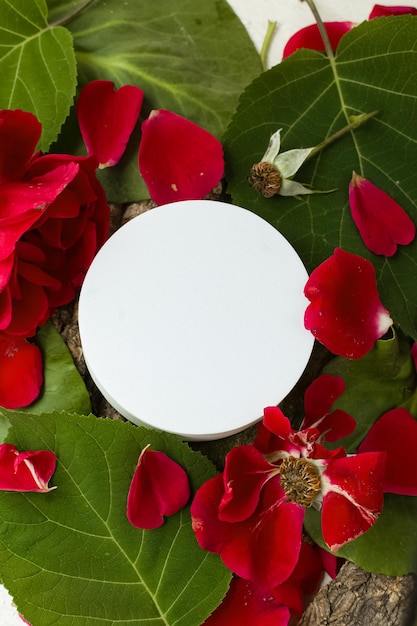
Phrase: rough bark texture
[358,598]
[354,597]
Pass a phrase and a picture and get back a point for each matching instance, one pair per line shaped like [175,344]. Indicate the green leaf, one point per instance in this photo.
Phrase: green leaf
[71,557]
[388,547]
[37,65]
[310,98]
[193,57]
[383,379]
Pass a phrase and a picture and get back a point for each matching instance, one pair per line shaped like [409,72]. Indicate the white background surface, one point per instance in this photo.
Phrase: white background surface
[290,15]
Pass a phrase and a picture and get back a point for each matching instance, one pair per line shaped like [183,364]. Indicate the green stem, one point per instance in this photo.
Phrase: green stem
[67,18]
[266,44]
[322,29]
[355,122]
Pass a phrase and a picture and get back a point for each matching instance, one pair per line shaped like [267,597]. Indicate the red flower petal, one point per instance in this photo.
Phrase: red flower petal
[352,496]
[309,37]
[318,400]
[382,222]
[25,471]
[248,604]
[19,134]
[395,433]
[159,487]
[345,314]
[246,472]
[178,160]
[265,547]
[21,373]
[379,11]
[107,117]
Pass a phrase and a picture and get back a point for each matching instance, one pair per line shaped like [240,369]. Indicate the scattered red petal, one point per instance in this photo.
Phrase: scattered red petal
[25,471]
[309,37]
[395,433]
[352,497]
[345,314]
[380,11]
[248,604]
[382,222]
[19,133]
[178,160]
[159,487]
[21,372]
[107,117]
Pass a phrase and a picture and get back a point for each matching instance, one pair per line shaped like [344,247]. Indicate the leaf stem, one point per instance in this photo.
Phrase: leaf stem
[266,44]
[67,18]
[322,29]
[354,122]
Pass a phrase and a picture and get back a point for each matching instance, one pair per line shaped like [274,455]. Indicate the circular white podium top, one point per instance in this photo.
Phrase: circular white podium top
[191,319]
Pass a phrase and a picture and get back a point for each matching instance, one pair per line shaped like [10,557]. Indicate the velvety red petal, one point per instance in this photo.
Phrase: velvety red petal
[21,373]
[25,471]
[319,398]
[380,11]
[331,563]
[382,222]
[246,472]
[248,604]
[29,311]
[395,433]
[265,547]
[345,312]
[178,159]
[304,580]
[159,487]
[276,422]
[107,117]
[352,490]
[19,134]
[309,37]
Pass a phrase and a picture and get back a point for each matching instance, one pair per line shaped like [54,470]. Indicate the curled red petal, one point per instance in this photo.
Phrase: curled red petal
[319,398]
[249,604]
[159,487]
[21,372]
[395,433]
[382,222]
[380,10]
[263,548]
[309,37]
[19,134]
[107,117]
[345,312]
[178,159]
[352,490]
[25,471]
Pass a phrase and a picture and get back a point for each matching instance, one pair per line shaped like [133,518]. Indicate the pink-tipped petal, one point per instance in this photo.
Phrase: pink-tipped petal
[25,471]
[265,547]
[352,497]
[309,37]
[21,372]
[159,487]
[395,433]
[178,159]
[345,312]
[249,604]
[382,11]
[382,222]
[107,117]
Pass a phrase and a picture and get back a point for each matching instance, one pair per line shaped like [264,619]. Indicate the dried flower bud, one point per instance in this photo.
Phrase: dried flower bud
[265,179]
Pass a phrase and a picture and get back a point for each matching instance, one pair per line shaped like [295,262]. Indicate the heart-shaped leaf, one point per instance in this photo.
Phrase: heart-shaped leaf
[193,57]
[71,556]
[311,97]
[37,65]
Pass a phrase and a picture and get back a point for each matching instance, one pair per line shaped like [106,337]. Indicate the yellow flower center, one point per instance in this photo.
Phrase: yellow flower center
[265,179]
[300,480]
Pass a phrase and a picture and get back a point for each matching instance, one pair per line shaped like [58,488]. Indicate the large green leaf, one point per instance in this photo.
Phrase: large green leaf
[310,98]
[193,57]
[389,547]
[37,65]
[71,557]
